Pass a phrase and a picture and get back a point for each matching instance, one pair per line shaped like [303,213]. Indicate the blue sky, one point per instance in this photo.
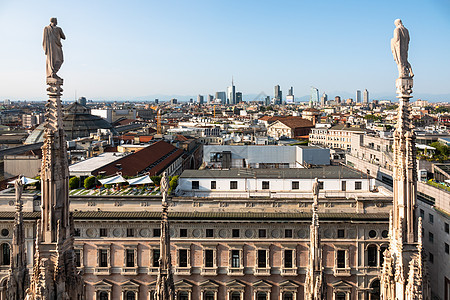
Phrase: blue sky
[127,49]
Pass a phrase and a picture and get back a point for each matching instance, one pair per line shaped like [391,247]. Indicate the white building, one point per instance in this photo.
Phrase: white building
[230,156]
[335,181]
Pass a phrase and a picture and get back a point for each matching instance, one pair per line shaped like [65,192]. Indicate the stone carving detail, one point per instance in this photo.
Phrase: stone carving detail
[165,289]
[18,280]
[249,233]
[276,233]
[117,232]
[54,275]
[315,280]
[403,276]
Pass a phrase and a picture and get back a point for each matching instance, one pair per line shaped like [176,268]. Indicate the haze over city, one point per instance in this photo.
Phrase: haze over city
[141,50]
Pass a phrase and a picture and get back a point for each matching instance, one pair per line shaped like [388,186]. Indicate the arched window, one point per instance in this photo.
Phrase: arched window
[372,253]
[375,290]
[6,254]
[209,296]
[235,296]
[183,296]
[130,295]
[103,296]
[261,296]
[288,296]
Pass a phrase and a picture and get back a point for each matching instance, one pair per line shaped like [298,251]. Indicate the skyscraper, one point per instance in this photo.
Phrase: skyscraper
[358,96]
[290,96]
[200,99]
[278,96]
[366,96]
[222,96]
[231,93]
[210,99]
[337,99]
[314,99]
[238,97]
[323,99]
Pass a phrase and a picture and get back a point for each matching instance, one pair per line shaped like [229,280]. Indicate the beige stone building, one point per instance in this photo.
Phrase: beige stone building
[222,248]
[338,136]
[289,127]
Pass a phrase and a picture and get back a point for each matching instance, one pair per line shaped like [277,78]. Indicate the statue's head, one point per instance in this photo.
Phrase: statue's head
[54,21]
[398,22]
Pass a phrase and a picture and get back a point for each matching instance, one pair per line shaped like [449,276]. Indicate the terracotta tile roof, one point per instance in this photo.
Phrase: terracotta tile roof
[296,122]
[152,159]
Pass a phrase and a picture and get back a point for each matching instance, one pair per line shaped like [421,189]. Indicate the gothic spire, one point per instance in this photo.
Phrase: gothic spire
[18,280]
[55,275]
[165,289]
[314,281]
[402,275]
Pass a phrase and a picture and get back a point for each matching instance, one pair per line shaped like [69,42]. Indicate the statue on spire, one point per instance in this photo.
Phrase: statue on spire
[314,280]
[165,289]
[402,275]
[54,274]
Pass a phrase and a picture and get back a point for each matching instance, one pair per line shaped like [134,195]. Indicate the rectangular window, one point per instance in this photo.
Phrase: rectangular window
[422,214]
[209,258]
[446,247]
[209,232]
[77,232]
[262,233]
[213,185]
[103,232]
[295,185]
[130,258]
[183,258]
[430,237]
[235,259]
[288,233]
[78,257]
[156,232]
[195,185]
[344,186]
[320,185]
[262,259]
[265,185]
[358,185]
[130,232]
[431,258]
[341,258]
[431,218]
[233,185]
[183,232]
[341,233]
[235,233]
[446,228]
[103,258]
[155,258]
[288,258]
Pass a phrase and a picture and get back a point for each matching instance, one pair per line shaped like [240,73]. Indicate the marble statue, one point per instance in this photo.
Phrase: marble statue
[18,186]
[315,190]
[53,48]
[399,47]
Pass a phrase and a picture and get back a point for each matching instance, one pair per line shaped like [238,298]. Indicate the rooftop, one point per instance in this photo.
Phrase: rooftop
[328,172]
[85,167]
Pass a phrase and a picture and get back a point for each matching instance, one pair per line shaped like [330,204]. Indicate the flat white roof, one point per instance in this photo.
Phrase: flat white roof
[85,167]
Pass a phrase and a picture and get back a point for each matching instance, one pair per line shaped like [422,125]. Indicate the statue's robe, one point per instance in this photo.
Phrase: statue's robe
[53,49]
[399,47]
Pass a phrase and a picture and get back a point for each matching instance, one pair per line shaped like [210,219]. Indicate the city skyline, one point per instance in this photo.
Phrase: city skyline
[138,50]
